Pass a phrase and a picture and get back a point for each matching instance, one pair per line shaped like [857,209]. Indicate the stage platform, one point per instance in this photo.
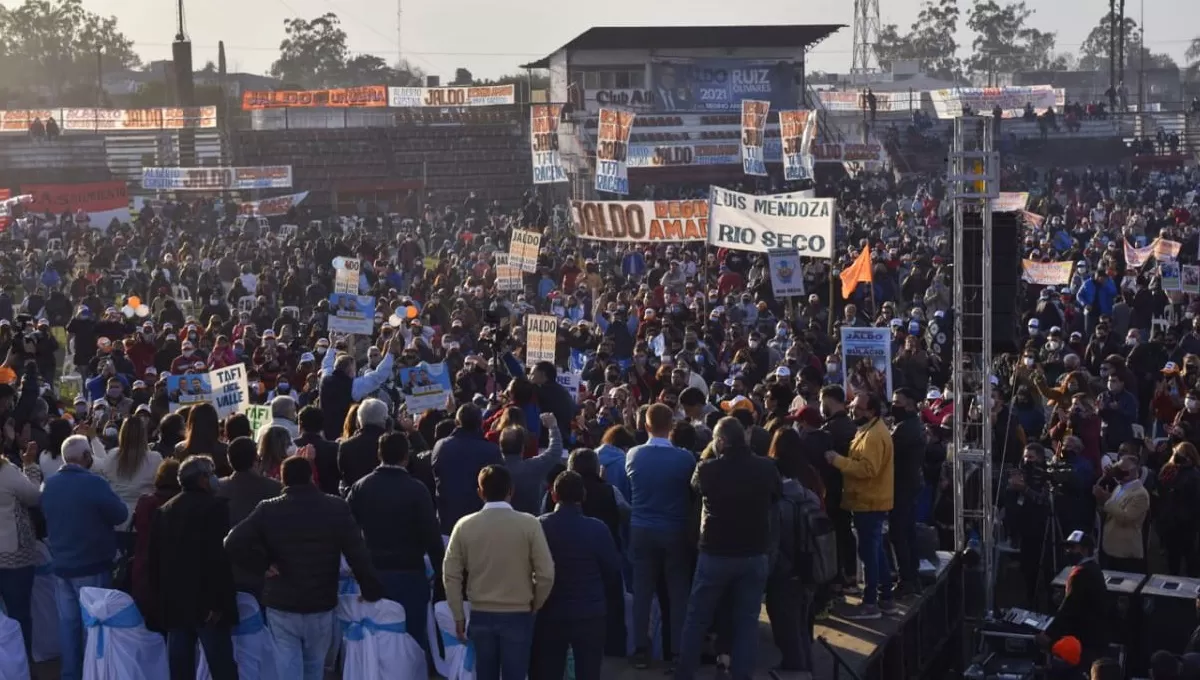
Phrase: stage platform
[907,645]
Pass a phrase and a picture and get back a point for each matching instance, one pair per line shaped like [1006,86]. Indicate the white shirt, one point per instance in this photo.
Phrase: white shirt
[131,489]
[497,505]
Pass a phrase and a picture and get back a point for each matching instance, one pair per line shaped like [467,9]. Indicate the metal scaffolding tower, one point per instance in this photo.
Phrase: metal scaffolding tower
[866,36]
[973,179]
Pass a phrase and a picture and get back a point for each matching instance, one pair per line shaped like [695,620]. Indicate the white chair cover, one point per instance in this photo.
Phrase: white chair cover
[252,646]
[45,611]
[13,664]
[118,645]
[656,623]
[346,586]
[376,642]
[460,657]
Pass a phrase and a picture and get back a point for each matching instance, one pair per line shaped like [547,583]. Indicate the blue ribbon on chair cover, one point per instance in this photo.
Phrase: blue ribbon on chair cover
[357,630]
[255,623]
[449,640]
[128,617]
[347,585]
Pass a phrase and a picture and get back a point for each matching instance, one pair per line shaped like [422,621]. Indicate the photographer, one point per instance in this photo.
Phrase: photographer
[1082,422]
[1073,477]
[1027,502]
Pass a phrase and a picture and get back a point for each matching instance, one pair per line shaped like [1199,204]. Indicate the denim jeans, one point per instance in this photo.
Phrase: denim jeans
[411,589]
[552,638]
[658,553]
[743,579]
[502,643]
[876,573]
[70,619]
[16,592]
[902,533]
[218,652]
[301,643]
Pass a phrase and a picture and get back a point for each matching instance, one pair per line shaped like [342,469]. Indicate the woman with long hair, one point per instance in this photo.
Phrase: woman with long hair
[19,555]
[170,433]
[166,486]
[204,438]
[130,471]
[1179,496]
[50,459]
[274,446]
[350,424]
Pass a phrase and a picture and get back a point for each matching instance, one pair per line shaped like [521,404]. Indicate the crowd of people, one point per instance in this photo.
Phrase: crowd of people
[708,459]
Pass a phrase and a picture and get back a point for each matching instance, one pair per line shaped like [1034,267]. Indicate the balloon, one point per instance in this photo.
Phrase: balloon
[134,301]
[127,311]
[411,312]
[395,321]
[143,311]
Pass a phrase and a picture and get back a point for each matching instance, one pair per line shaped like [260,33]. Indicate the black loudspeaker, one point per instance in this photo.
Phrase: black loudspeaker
[1005,265]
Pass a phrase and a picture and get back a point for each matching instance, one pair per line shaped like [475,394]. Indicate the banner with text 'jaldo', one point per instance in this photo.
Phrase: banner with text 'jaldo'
[482,95]
[217,179]
[543,143]
[369,96]
[612,151]
[98,120]
[641,221]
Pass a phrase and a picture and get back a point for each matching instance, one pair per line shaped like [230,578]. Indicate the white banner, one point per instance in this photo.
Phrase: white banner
[612,151]
[754,128]
[508,277]
[787,278]
[346,275]
[858,101]
[230,389]
[541,338]
[982,100]
[217,179]
[796,130]
[483,95]
[543,142]
[762,223]
[523,250]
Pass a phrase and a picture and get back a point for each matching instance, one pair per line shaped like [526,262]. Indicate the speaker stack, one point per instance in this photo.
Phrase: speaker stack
[1005,264]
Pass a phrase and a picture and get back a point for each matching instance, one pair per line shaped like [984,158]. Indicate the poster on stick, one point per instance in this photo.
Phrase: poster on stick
[541,338]
[754,129]
[612,151]
[543,141]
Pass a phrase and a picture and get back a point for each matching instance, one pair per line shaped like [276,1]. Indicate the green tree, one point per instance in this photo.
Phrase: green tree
[1004,43]
[1193,58]
[525,82]
[930,40]
[313,54]
[54,43]
[1094,52]
[462,76]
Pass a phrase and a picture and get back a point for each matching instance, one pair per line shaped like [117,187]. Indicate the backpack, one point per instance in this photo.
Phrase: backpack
[815,542]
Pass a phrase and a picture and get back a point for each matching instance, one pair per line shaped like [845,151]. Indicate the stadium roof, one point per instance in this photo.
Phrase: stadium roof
[680,37]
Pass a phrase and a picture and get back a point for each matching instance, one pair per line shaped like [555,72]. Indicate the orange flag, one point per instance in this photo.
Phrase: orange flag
[859,272]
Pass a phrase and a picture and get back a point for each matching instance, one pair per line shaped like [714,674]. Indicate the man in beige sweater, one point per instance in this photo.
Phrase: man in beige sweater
[509,573]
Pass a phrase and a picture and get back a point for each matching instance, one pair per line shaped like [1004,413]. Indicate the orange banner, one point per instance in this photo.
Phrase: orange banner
[82,120]
[373,96]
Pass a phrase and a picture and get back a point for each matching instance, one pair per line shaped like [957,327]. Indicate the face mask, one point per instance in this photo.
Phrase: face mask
[754,345]
[284,387]
[1054,345]
[1033,331]
[948,395]
[80,413]
[1029,362]
[321,350]
[1130,342]
[699,358]
[110,433]
[1192,404]
[113,394]
[188,352]
[214,301]
[831,368]
[781,333]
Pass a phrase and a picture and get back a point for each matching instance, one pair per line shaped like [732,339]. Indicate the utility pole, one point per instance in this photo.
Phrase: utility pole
[399,32]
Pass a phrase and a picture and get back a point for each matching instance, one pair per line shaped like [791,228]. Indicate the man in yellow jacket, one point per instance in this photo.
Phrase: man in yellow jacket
[867,492]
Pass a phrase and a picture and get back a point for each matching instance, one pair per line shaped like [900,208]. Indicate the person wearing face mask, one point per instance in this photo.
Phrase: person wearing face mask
[1124,509]
[190,573]
[215,307]
[868,473]
[114,400]
[186,359]
[1176,520]
[908,443]
[1118,410]
[1101,346]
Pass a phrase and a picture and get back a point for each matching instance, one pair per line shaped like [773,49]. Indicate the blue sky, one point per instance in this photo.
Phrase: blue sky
[490,38]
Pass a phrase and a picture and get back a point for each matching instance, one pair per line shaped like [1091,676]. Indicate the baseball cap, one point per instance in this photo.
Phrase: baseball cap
[1171,368]
[738,403]
[809,415]
[307,356]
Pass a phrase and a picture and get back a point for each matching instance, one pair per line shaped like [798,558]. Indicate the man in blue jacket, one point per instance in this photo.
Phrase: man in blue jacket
[575,613]
[660,476]
[81,510]
[456,461]
[1096,296]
